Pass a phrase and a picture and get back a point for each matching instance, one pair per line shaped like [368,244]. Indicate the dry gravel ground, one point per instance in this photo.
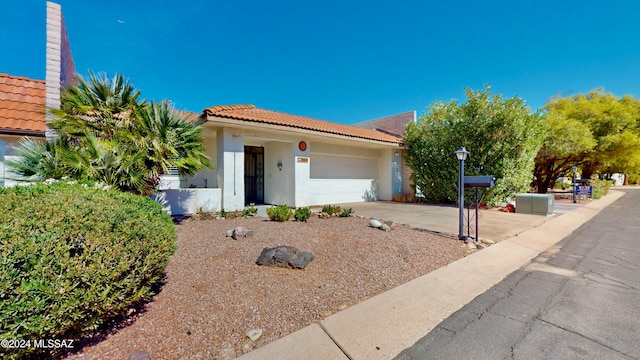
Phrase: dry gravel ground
[214,291]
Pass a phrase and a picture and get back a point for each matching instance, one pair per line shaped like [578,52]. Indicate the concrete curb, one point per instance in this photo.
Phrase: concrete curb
[384,325]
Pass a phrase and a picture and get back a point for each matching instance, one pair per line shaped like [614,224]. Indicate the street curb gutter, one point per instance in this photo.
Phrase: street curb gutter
[384,325]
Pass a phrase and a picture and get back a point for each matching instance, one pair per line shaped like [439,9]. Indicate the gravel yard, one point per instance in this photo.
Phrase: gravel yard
[214,291]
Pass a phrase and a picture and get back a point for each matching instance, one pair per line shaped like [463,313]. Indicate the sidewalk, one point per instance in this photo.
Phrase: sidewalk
[382,326]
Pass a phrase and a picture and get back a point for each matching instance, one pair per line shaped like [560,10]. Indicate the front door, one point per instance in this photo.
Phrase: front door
[253,174]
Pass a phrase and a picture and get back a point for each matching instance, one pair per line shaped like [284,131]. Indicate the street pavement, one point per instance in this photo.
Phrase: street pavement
[580,299]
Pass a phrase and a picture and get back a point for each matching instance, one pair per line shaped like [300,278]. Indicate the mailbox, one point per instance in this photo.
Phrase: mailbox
[484,181]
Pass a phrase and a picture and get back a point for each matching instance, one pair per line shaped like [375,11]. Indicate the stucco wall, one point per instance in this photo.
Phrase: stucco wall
[230,169]
[279,186]
[206,178]
[189,201]
[6,144]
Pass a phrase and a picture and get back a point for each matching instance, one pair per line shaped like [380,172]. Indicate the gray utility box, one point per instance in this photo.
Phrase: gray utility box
[536,204]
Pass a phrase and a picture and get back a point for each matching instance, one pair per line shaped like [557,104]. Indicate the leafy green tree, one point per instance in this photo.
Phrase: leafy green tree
[501,135]
[597,132]
[105,133]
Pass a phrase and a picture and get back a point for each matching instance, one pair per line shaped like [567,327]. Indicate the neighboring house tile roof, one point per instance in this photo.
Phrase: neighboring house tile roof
[393,124]
[252,114]
[22,105]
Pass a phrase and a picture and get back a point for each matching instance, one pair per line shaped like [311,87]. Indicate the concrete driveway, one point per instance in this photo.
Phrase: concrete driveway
[493,224]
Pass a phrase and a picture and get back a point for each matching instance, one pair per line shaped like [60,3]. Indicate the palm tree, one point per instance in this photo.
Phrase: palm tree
[106,134]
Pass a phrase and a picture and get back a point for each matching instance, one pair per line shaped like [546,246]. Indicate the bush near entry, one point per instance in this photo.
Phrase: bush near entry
[302,214]
[279,213]
[73,258]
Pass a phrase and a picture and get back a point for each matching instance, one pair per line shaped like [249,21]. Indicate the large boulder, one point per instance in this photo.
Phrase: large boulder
[285,256]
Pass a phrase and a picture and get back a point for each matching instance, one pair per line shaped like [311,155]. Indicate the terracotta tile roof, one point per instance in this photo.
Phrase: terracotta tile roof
[252,114]
[22,105]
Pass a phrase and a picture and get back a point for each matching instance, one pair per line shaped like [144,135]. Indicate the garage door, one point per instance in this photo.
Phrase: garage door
[340,179]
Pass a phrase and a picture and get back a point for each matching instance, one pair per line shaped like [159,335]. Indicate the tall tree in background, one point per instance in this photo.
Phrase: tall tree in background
[597,132]
[501,135]
[105,133]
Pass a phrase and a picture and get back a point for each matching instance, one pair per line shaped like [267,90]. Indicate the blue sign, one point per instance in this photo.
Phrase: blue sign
[584,190]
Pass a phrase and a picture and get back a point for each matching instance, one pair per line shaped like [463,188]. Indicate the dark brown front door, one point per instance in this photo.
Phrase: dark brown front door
[253,175]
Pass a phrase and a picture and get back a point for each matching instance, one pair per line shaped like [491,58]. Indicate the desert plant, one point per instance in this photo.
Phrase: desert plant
[74,257]
[223,213]
[346,212]
[106,134]
[302,214]
[331,209]
[600,187]
[279,213]
[251,210]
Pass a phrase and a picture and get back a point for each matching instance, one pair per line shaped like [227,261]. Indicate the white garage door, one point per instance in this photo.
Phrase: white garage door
[341,179]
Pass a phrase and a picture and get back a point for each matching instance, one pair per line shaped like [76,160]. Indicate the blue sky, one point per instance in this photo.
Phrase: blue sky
[338,60]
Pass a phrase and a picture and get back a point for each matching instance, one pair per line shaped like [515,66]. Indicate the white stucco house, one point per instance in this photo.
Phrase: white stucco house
[268,157]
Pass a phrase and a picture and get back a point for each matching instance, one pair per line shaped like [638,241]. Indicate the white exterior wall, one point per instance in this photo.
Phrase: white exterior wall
[189,201]
[230,169]
[302,176]
[2,166]
[6,143]
[279,185]
[208,178]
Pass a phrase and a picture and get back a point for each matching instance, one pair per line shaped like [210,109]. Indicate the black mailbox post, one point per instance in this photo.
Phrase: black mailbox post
[482,181]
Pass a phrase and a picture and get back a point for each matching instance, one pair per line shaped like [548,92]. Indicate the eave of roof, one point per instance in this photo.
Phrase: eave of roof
[250,113]
[22,105]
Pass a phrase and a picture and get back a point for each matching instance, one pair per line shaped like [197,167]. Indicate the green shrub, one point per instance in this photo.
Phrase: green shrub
[331,209]
[279,213]
[346,212]
[634,179]
[75,257]
[600,187]
[251,210]
[302,214]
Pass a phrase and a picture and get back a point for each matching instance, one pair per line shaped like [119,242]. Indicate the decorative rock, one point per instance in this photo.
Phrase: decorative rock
[471,245]
[239,232]
[385,227]
[253,334]
[324,215]
[284,256]
[375,223]
[392,225]
[247,346]
[487,241]
[139,355]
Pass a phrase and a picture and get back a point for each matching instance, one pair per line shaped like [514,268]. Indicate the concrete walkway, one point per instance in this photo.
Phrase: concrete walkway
[384,325]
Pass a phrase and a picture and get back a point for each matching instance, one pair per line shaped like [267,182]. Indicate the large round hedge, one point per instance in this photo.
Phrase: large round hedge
[72,257]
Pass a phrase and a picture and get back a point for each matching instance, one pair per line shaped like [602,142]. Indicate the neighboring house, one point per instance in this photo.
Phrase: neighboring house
[22,106]
[269,157]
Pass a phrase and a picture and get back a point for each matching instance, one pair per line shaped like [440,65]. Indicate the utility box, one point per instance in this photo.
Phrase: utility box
[535,204]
